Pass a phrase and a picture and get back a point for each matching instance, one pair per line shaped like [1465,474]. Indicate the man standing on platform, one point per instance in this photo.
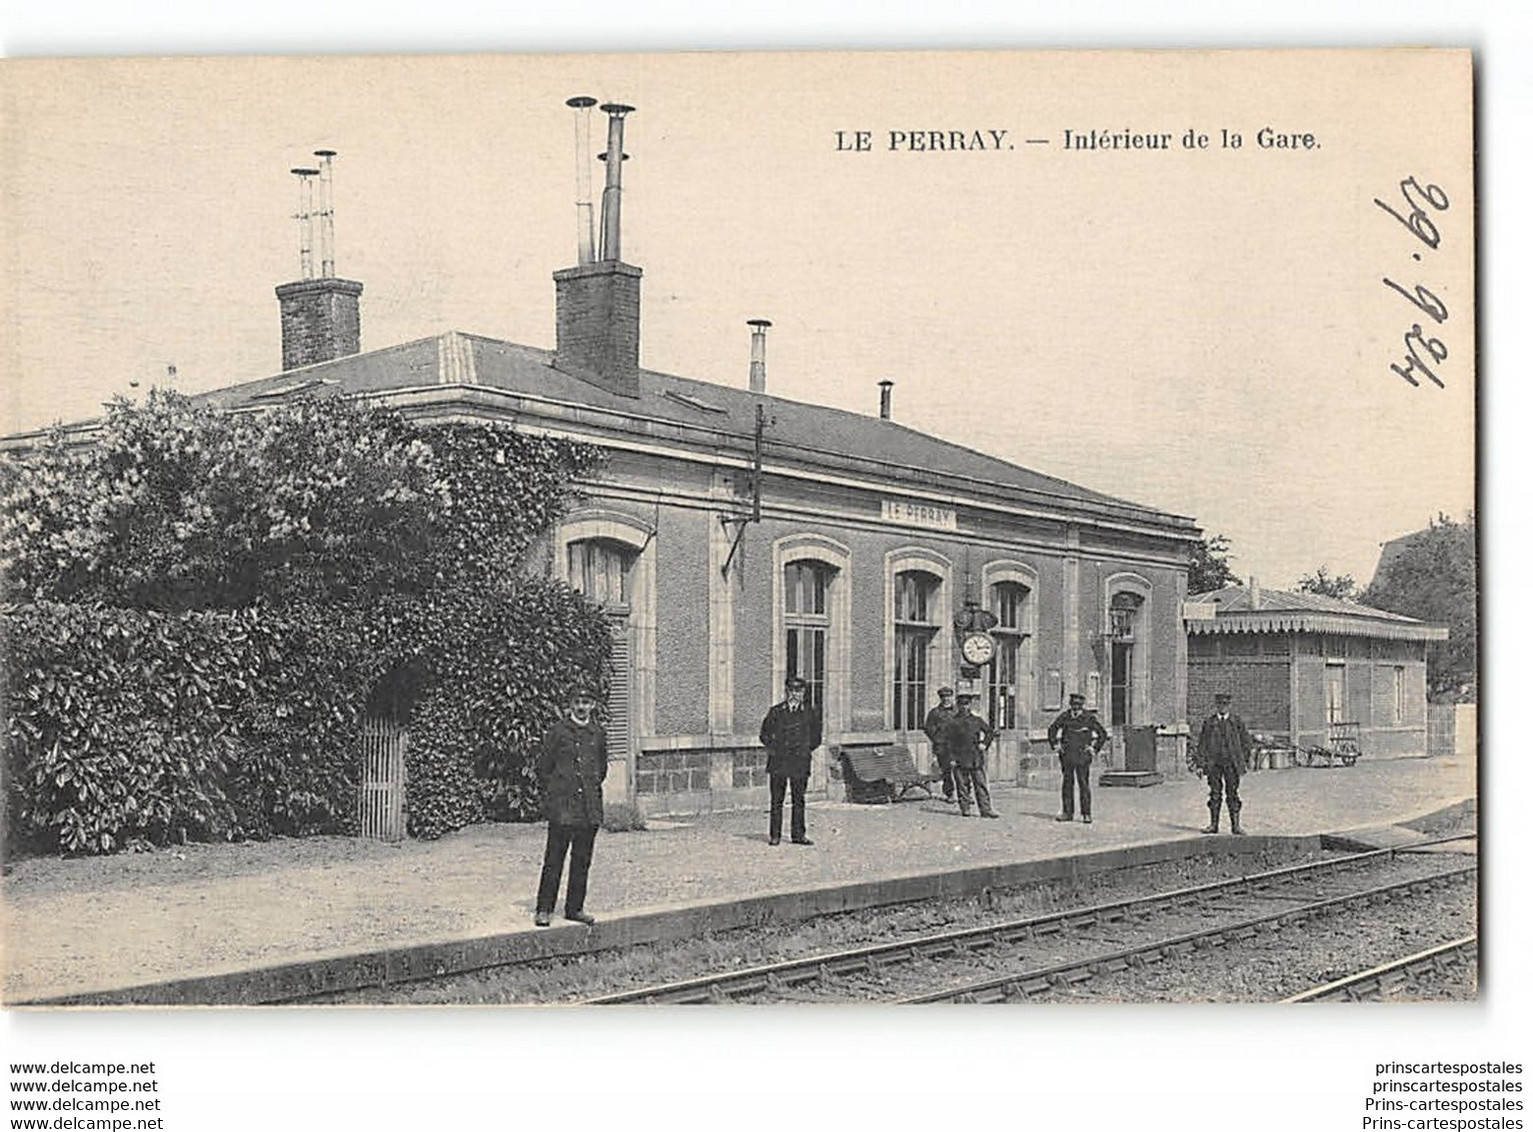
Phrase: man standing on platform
[936,730]
[571,767]
[1076,735]
[790,733]
[968,736]
[1224,749]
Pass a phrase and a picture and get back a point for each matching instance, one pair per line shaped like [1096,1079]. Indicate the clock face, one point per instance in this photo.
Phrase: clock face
[978,648]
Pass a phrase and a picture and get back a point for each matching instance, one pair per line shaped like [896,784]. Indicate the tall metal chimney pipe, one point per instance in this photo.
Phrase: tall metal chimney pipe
[326,214]
[305,219]
[585,217]
[612,194]
[885,399]
[758,353]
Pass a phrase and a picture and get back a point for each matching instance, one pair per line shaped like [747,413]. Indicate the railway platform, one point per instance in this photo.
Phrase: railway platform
[276,921]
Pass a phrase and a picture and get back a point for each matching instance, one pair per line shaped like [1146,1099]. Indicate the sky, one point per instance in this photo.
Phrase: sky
[1201,330]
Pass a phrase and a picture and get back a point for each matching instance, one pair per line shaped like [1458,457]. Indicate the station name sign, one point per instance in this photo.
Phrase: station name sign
[920,515]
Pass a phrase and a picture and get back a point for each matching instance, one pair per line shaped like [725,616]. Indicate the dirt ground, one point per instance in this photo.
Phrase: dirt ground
[91,923]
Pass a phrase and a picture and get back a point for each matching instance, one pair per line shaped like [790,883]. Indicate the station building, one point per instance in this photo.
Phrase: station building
[738,538]
[1304,666]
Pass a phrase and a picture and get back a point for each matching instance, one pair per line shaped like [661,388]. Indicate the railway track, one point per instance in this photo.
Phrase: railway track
[1396,975]
[1040,955]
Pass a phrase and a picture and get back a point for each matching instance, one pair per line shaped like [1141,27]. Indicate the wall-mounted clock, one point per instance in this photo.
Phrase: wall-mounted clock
[978,648]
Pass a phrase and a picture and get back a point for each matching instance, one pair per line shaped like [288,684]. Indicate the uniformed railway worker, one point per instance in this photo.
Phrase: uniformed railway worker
[571,766]
[968,736]
[935,727]
[1076,735]
[1224,750]
[790,733]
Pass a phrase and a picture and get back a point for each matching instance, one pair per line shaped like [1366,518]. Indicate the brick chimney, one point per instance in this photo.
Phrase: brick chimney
[321,320]
[321,314]
[598,324]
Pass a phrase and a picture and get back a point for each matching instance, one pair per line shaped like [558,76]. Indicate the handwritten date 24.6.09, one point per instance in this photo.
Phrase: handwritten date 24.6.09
[1423,353]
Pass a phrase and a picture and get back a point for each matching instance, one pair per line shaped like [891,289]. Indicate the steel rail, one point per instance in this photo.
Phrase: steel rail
[1395,973]
[724,986]
[1043,979]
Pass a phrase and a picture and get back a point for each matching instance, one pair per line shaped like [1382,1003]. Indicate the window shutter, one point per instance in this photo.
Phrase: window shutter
[618,710]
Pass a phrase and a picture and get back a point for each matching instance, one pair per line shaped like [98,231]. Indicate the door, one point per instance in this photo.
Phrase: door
[1122,683]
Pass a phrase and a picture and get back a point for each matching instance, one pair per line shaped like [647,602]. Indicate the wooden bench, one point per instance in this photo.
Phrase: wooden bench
[885,775]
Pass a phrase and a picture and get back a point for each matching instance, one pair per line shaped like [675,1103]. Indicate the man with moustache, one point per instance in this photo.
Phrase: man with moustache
[1224,750]
[1076,735]
[968,736]
[790,733]
[571,766]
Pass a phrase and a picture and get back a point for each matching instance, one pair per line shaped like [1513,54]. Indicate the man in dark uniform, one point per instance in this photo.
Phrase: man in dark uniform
[790,733]
[1076,735]
[967,738]
[1224,749]
[936,730]
[571,767]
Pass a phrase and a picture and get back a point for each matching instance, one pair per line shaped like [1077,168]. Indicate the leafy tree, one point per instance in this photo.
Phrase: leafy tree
[180,506]
[246,586]
[1326,584]
[1434,578]
[1210,565]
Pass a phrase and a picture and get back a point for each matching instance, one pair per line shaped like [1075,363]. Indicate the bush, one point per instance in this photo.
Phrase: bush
[502,674]
[121,725]
[622,817]
[216,601]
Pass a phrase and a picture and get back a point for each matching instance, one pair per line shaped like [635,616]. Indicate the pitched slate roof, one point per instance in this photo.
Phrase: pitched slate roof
[1279,611]
[521,380]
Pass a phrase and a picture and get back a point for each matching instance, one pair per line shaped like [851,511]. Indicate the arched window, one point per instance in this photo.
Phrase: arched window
[1006,678]
[916,623]
[806,586]
[602,570]
[811,622]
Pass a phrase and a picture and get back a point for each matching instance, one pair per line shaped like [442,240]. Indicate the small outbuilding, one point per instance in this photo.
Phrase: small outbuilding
[1308,669]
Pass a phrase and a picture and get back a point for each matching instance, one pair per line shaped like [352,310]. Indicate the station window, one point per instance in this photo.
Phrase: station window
[915,626]
[806,623]
[1005,678]
[602,570]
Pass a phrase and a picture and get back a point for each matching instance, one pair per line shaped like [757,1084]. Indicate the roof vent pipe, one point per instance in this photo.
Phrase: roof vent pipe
[758,353]
[612,194]
[885,399]
[305,218]
[326,213]
[585,218]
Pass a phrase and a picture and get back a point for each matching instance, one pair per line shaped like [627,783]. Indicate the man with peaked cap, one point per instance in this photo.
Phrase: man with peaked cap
[968,736]
[790,733]
[1224,750]
[571,767]
[935,727]
[1076,735]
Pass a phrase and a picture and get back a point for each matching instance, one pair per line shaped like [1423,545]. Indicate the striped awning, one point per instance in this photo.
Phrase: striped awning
[1296,621]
